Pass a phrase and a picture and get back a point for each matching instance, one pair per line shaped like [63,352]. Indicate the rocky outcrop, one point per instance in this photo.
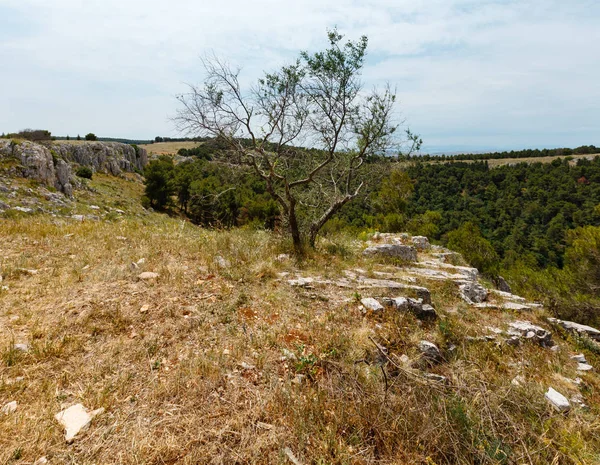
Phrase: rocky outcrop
[38,163]
[403,252]
[105,157]
[51,165]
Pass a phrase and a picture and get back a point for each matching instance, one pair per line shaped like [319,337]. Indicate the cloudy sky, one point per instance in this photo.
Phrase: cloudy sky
[470,74]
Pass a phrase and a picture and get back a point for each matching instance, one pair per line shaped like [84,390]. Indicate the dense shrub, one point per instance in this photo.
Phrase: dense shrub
[84,172]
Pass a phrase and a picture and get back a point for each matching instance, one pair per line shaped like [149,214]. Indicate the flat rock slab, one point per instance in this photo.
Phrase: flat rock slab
[404,252]
[558,401]
[75,418]
[584,367]
[371,304]
[580,329]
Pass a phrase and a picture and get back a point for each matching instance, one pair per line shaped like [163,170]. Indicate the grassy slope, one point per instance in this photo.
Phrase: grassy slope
[199,376]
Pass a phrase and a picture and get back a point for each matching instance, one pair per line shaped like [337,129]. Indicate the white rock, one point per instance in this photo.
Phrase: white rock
[283,257]
[527,330]
[518,380]
[558,401]
[221,262]
[579,358]
[9,408]
[584,367]
[23,209]
[78,217]
[140,262]
[21,347]
[301,282]
[75,418]
[41,461]
[148,275]
[593,333]
[371,304]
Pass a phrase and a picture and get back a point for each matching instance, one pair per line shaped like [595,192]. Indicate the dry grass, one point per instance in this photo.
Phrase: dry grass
[168,148]
[513,161]
[201,377]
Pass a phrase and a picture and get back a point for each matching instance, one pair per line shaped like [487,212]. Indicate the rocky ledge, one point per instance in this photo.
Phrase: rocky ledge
[52,164]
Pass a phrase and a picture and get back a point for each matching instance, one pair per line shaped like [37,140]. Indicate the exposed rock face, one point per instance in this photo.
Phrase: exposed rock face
[582,330]
[473,293]
[105,157]
[430,352]
[50,165]
[421,242]
[404,252]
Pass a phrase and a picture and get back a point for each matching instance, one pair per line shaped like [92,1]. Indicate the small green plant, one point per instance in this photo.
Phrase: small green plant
[84,172]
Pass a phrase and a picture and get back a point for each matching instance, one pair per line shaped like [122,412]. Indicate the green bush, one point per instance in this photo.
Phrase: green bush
[84,172]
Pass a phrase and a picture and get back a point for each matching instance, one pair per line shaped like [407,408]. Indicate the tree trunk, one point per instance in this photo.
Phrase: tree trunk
[294,229]
[317,225]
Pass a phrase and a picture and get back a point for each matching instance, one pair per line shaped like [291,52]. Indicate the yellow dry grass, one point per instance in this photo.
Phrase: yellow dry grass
[513,161]
[168,148]
[195,366]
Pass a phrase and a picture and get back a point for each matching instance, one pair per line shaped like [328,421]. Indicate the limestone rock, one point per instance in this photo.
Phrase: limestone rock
[582,330]
[404,252]
[527,330]
[301,282]
[502,285]
[473,292]
[415,306]
[10,407]
[371,304]
[148,276]
[75,418]
[421,242]
[581,367]
[579,358]
[105,157]
[558,401]
[430,351]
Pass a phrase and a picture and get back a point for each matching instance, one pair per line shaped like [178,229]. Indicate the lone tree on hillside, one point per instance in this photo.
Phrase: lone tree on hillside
[91,136]
[316,102]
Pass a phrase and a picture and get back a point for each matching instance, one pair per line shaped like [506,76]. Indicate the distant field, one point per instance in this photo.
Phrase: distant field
[513,161]
[168,148]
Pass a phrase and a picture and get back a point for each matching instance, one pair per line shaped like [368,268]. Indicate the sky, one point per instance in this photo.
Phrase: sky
[470,75]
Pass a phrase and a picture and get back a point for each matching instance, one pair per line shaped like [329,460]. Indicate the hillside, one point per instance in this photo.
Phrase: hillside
[205,346]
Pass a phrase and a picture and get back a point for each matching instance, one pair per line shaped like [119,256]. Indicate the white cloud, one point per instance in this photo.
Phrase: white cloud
[493,73]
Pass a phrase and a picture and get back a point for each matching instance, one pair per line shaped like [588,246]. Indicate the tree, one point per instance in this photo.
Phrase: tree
[68,138]
[317,101]
[91,136]
[78,137]
[158,180]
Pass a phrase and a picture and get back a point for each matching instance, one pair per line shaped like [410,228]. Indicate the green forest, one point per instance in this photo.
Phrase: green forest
[536,224]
